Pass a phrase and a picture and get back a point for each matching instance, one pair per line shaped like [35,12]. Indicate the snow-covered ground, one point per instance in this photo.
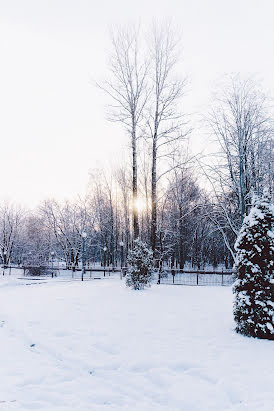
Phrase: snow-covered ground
[99,346]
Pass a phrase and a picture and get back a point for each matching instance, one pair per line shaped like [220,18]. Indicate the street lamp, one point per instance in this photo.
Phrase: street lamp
[52,255]
[4,261]
[105,249]
[27,261]
[84,236]
[122,257]
[30,258]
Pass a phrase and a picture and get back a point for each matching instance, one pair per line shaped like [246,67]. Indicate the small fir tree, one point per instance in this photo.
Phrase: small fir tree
[253,288]
[140,260]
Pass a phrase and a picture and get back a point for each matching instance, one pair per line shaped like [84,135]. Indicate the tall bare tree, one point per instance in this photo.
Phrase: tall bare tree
[127,88]
[165,120]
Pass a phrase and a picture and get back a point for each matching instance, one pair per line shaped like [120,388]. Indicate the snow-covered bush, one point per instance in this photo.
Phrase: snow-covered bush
[37,270]
[140,260]
[253,288]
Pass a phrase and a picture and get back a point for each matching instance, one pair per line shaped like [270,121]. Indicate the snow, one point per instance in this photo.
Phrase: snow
[98,345]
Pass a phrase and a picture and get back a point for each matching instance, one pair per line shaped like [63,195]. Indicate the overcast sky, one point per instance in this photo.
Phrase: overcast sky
[53,125]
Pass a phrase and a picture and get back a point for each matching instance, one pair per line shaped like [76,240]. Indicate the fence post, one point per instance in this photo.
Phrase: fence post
[197,278]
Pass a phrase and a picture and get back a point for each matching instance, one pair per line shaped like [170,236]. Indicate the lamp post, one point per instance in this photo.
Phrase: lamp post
[122,258]
[52,255]
[105,249]
[84,236]
[30,258]
[4,261]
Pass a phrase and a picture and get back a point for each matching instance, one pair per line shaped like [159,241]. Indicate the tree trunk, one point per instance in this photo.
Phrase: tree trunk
[181,239]
[134,186]
[242,181]
[153,198]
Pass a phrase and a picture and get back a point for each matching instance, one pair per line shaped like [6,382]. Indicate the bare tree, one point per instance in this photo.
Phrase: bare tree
[123,183]
[127,88]
[243,130]
[185,194]
[165,121]
[36,240]
[240,122]
[11,220]
[66,222]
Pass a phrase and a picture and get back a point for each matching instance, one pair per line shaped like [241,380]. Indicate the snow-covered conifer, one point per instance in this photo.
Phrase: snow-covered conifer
[140,260]
[253,288]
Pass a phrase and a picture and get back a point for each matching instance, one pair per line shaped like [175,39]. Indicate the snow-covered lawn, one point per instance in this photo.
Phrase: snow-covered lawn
[99,346]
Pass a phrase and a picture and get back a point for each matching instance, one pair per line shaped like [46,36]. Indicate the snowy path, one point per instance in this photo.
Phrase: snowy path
[99,346]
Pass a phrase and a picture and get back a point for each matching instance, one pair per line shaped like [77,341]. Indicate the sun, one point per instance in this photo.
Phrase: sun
[140,204]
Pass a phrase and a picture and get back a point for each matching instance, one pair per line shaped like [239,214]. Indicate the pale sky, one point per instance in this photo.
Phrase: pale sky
[53,123]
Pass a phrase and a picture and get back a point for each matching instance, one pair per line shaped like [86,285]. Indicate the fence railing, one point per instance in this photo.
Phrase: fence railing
[168,276]
[193,277]
[198,277]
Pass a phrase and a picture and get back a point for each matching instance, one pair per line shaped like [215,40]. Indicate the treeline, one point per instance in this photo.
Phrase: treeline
[54,230]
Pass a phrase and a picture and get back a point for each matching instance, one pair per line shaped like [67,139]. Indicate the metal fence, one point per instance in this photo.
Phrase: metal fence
[214,278]
[39,272]
[172,277]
